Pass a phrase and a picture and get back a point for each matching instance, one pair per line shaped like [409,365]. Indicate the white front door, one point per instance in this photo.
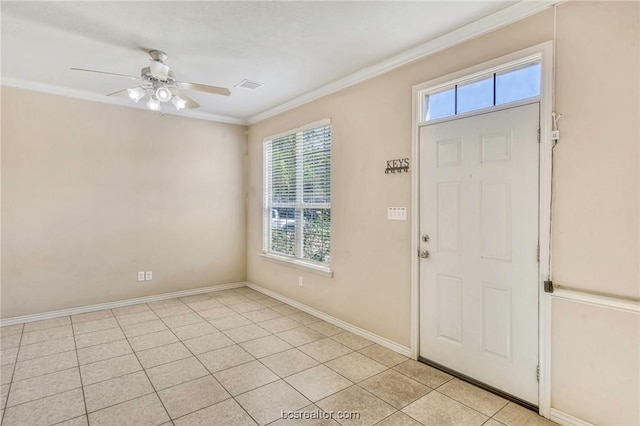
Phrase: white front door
[479,209]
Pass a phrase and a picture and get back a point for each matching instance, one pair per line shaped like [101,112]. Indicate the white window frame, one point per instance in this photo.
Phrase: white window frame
[434,88]
[296,261]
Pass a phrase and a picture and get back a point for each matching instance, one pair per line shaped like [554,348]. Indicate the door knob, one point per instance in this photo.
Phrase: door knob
[424,254]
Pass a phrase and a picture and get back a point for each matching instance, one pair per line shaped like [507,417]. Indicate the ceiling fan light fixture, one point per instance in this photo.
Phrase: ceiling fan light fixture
[178,102]
[160,82]
[136,93]
[153,104]
[163,94]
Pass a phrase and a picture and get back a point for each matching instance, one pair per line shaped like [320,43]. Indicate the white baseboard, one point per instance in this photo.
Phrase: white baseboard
[566,419]
[116,304]
[382,341]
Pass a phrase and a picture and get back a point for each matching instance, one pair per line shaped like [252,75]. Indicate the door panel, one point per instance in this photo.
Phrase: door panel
[479,287]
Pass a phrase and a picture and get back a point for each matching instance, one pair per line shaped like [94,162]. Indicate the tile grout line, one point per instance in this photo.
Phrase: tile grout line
[145,373]
[395,410]
[466,405]
[67,337]
[255,359]
[206,369]
[210,373]
[72,418]
[392,368]
[399,410]
[118,403]
[387,369]
[15,363]
[82,387]
[235,343]
[284,379]
[115,377]
[164,363]
[205,321]
[353,383]
[47,396]
[259,359]
[324,336]
[84,398]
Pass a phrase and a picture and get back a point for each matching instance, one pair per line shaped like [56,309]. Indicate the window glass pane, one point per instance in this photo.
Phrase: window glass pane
[316,235]
[519,84]
[476,95]
[283,230]
[283,169]
[438,105]
[316,165]
[298,194]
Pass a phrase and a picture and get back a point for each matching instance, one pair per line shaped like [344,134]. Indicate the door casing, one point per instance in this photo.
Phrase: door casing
[543,53]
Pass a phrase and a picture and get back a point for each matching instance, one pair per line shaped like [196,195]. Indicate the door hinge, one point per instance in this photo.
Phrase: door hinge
[538,134]
[548,286]
[538,373]
[538,254]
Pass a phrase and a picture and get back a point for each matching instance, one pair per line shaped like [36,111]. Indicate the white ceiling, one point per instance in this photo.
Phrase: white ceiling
[292,47]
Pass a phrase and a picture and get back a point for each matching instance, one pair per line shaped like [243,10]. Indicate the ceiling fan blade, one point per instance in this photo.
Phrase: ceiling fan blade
[190,102]
[159,70]
[107,73]
[119,92]
[203,88]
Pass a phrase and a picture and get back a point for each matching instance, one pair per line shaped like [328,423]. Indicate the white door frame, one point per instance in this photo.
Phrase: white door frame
[543,53]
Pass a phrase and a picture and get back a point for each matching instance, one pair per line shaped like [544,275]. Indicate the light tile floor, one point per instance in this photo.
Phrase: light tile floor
[233,357]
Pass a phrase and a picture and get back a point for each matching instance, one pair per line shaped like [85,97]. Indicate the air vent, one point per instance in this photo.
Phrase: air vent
[248,84]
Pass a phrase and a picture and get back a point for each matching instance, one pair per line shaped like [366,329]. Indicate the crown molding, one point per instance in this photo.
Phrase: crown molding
[504,17]
[475,29]
[89,96]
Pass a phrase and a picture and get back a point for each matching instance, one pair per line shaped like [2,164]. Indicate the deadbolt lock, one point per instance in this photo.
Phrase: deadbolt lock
[425,238]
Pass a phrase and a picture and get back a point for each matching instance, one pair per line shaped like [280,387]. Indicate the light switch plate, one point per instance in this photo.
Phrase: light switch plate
[397,213]
[148,275]
[141,276]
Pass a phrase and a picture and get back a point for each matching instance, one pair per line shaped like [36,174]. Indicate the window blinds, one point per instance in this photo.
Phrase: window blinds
[297,210]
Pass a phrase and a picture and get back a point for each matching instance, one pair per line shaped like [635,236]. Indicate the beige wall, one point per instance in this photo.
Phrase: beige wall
[93,193]
[596,225]
[371,123]
[595,360]
[595,211]
[596,216]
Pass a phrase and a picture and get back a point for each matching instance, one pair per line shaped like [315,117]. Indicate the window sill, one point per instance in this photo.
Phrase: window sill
[325,271]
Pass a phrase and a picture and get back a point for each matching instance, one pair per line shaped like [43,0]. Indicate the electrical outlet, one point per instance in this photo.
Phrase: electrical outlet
[397,213]
[148,275]
[141,276]
[299,281]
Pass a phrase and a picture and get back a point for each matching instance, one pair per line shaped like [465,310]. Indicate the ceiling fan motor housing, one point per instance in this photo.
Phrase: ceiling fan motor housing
[158,55]
[146,75]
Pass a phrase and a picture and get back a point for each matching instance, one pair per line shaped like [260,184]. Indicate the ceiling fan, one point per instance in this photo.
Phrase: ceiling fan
[160,82]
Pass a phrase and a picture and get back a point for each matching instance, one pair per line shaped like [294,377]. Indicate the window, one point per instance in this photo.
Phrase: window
[473,96]
[441,104]
[486,91]
[297,194]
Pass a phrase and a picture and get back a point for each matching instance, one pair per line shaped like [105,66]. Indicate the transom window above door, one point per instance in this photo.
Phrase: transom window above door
[483,91]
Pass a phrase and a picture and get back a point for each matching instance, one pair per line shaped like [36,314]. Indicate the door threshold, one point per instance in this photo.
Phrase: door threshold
[481,385]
